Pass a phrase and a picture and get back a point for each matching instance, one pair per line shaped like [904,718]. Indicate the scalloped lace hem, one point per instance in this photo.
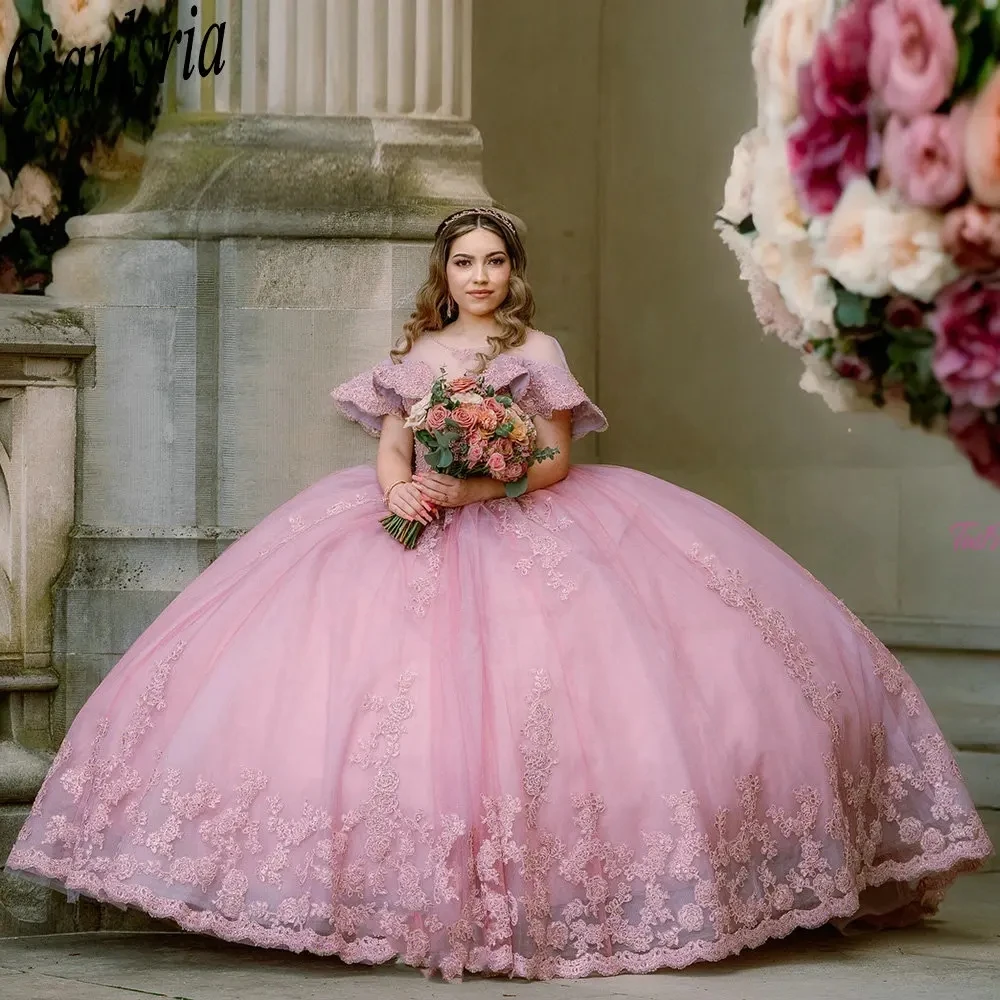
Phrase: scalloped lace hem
[941,870]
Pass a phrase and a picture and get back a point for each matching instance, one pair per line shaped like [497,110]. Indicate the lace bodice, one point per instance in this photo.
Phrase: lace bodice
[539,387]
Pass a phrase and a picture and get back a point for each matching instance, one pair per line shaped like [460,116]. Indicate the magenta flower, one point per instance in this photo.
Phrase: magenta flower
[977,435]
[966,323]
[832,141]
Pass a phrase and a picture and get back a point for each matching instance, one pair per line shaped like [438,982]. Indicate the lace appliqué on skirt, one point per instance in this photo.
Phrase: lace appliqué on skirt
[446,892]
[535,522]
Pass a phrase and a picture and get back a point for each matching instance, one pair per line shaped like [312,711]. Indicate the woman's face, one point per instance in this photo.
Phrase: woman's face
[478,272]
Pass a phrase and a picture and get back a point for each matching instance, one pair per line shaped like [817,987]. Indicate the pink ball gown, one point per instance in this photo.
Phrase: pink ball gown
[602,728]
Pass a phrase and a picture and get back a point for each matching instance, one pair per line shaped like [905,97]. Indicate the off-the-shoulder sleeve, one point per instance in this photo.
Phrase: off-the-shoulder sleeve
[550,385]
[370,396]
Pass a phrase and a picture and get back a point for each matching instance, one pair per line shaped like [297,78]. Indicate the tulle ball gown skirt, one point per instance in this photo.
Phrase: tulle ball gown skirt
[602,728]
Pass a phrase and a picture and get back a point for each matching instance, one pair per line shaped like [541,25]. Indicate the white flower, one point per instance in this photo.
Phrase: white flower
[855,243]
[777,214]
[36,195]
[920,265]
[784,39]
[82,23]
[804,286]
[468,397]
[739,184]
[418,412]
[10,24]
[874,244]
[6,216]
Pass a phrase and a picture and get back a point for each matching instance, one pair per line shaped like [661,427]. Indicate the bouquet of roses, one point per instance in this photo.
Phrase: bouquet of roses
[865,206]
[468,429]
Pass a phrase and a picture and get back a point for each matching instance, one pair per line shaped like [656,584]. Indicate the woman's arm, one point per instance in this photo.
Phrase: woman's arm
[553,432]
[394,467]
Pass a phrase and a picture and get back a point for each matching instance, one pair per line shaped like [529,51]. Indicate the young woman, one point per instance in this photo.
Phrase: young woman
[602,727]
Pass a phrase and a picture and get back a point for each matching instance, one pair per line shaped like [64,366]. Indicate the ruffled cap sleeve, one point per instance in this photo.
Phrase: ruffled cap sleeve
[371,395]
[546,385]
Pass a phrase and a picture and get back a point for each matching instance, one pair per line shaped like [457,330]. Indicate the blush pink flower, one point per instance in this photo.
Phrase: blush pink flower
[971,234]
[966,324]
[494,407]
[476,452]
[496,463]
[436,417]
[925,158]
[914,55]
[832,141]
[977,435]
[514,471]
[463,384]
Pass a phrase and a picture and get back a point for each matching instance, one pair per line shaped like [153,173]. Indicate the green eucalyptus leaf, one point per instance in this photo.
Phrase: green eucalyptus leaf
[515,489]
[851,310]
[30,12]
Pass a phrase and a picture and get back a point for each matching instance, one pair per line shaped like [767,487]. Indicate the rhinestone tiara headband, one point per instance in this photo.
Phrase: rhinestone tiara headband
[493,213]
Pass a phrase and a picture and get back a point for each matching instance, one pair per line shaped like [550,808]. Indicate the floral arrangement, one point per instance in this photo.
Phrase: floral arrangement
[74,118]
[864,207]
[468,429]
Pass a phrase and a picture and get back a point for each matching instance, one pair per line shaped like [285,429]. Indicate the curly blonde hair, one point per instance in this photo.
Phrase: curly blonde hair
[513,315]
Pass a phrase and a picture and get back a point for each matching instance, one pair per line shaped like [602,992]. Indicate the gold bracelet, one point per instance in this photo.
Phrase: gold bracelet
[385,496]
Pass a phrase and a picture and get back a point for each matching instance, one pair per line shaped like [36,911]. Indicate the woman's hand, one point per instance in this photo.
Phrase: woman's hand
[408,501]
[447,491]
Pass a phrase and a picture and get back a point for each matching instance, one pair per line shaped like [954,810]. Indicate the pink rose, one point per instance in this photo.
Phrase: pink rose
[463,384]
[971,234]
[496,463]
[506,447]
[966,323]
[914,55]
[982,144]
[476,451]
[832,142]
[977,436]
[436,417]
[494,407]
[925,159]
[465,416]
[514,472]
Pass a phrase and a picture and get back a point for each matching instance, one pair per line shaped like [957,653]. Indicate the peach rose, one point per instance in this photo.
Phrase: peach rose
[436,417]
[488,420]
[496,463]
[982,144]
[971,235]
[519,432]
[505,447]
[463,384]
[496,408]
[465,416]
[514,472]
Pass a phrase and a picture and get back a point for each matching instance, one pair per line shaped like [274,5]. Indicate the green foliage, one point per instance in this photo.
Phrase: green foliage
[65,109]
[753,8]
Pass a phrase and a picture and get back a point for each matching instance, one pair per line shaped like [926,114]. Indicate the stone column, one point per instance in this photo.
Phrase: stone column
[271,249]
